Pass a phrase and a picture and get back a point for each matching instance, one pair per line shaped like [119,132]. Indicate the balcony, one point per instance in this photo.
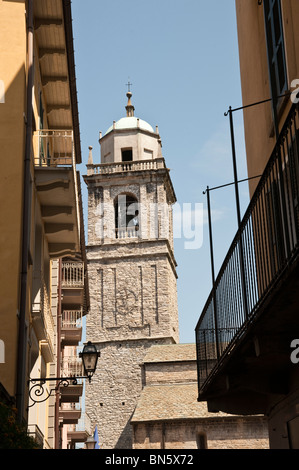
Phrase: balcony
[73,279]
[70,413]
[35,432]
[71,327]
[124,167]
[244,333]
[72,275]
[80,432]
[126,232]
[56,184]
[72,366]
[42,317]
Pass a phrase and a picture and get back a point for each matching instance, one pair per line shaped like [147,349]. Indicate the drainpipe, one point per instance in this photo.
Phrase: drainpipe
[58,357]
[22,338]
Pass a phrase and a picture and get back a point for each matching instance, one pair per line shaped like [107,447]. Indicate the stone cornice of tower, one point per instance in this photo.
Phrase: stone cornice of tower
[150,339]
[104,251]
[105,172]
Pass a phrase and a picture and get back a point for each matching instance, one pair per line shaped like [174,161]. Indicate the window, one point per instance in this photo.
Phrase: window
[42,150]
[41,112]
[126,155]
[2,92]
[201,441]
[275,47]
[293,428]
[148,154]
[126,216]
[2,352]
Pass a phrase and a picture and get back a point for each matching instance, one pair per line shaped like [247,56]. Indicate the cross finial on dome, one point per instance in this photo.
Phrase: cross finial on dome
[129,85]
[130,108]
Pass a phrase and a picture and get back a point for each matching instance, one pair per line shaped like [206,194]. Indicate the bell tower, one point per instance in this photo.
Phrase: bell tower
[131,266]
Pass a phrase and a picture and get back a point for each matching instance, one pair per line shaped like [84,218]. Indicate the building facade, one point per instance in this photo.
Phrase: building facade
[131,266]
[249,365]
[144,392]
[168,416]
[41,207]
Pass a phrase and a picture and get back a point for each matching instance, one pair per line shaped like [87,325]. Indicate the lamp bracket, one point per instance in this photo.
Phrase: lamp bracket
[38,393]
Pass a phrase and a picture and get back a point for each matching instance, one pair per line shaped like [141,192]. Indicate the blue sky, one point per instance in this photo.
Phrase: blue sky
[182,60]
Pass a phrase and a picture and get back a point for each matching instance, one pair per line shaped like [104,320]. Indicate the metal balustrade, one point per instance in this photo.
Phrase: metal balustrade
[71,366]
[35,432]
[84,425]
[71,319]
[53,148]
[71,407]
[263,248]
[72,274]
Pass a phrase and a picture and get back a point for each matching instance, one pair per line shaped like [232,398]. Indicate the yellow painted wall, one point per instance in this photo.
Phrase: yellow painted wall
[258,121]
[12,138]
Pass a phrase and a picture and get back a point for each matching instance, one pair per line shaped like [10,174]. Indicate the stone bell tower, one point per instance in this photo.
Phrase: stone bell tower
[132,269]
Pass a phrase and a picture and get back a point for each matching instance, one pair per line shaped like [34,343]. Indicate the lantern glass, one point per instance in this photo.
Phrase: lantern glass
[89,358]
[90,443]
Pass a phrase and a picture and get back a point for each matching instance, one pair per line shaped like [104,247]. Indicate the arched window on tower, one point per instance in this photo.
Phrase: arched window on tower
[126,216]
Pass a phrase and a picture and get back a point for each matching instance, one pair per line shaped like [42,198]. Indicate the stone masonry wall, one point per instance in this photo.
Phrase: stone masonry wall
[155,207]
[133,296]
[246,433]
[170,373]
[115,388]
[130,311]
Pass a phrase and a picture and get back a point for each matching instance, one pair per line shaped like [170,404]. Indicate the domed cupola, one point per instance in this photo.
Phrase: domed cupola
[130,139]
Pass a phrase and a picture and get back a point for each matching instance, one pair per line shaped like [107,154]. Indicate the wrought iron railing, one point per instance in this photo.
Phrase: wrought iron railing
[71,406]
[72,274]
[263,247]
[35,432]
[84,425]
[53,148]
[71,319]
[71,366]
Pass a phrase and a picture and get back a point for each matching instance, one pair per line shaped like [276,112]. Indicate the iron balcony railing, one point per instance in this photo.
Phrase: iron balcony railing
[72,274]
[35,432]
[71,319]
[71,366]
[53,148]
[84,425]
[71,406]
[264,246]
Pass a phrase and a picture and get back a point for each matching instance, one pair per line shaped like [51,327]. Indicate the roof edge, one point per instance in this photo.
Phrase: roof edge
[67,13]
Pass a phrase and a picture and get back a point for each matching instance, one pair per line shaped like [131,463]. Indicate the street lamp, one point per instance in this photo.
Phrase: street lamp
[37,392]
[89,357]
[90,443]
